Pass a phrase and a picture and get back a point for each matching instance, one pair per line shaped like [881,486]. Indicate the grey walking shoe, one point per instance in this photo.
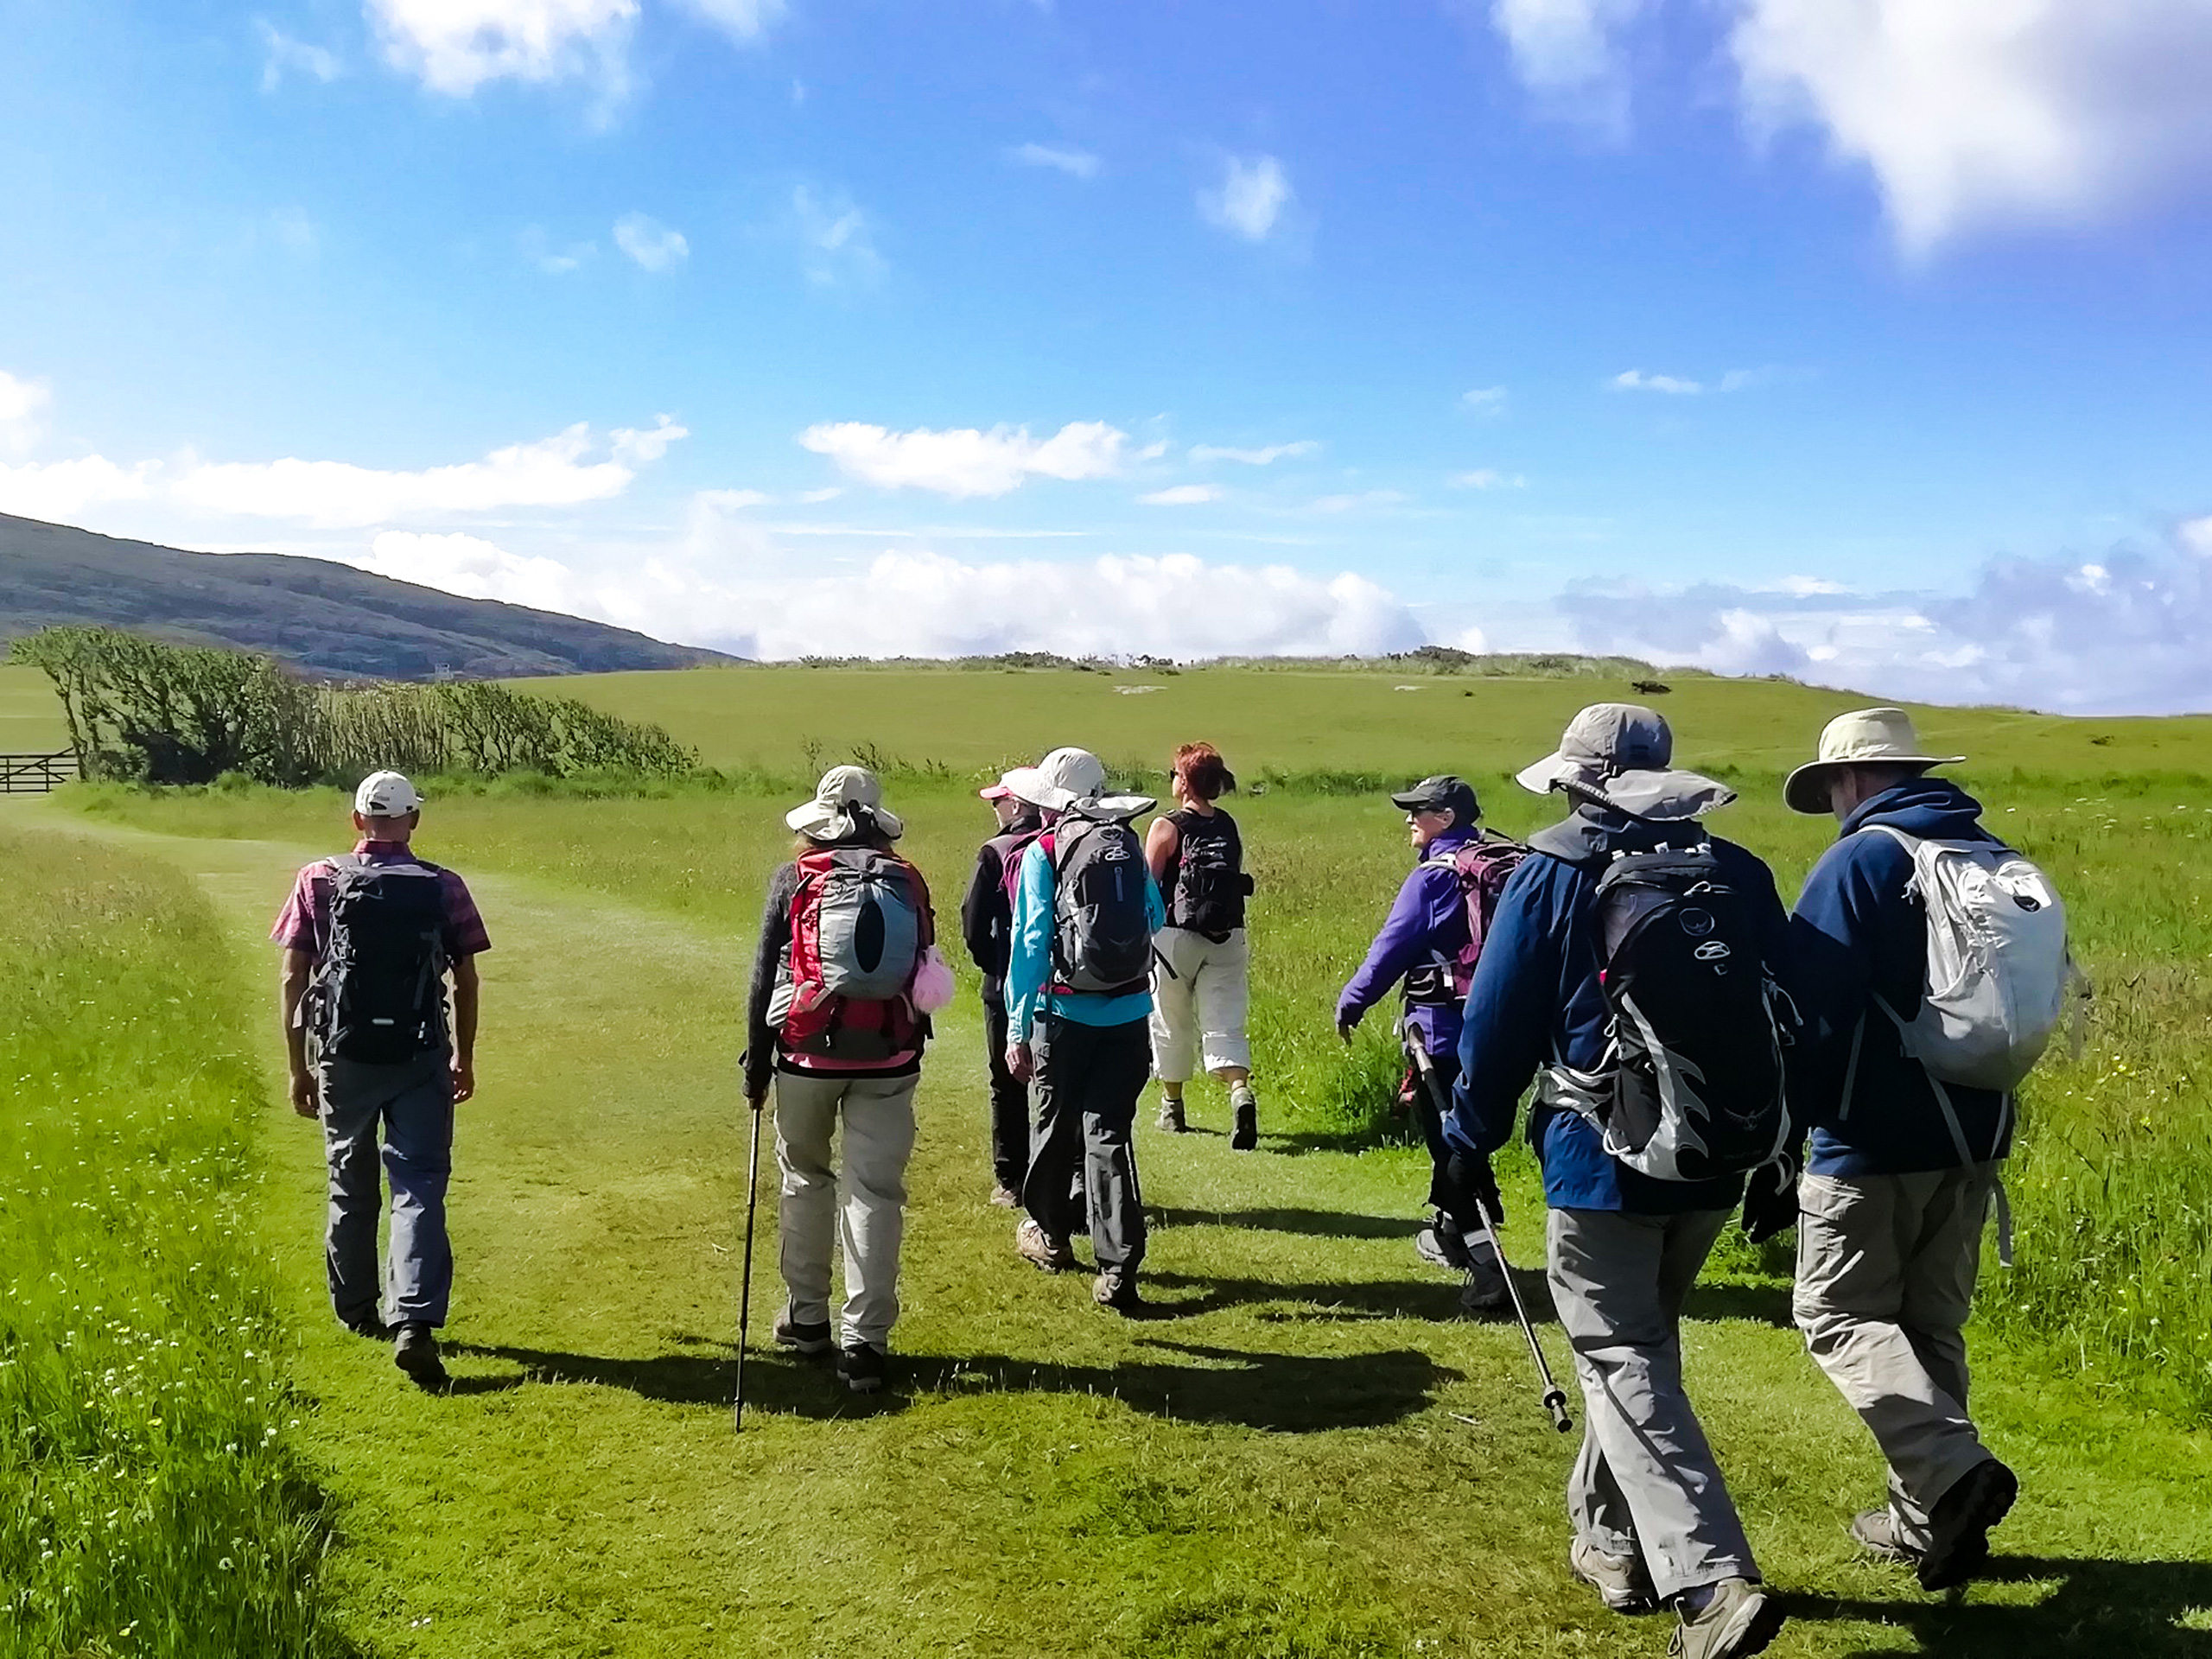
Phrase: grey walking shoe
[1117,1290]
[1621,1581]
[1245,1135]
[1171,1115]
[1738,1618]
[1034,1245]
[798,1336]
[415,1350]
[1443,1245]
[862,1366]
[1876,1532]
[1957,1526]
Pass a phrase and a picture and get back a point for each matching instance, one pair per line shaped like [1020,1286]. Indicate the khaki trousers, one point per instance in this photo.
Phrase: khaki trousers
[878,1116]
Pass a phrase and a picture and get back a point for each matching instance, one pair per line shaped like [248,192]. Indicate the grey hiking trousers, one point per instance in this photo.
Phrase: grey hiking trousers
[1081,1155]
[411,1102]
[1645,1483]
[1885,1274]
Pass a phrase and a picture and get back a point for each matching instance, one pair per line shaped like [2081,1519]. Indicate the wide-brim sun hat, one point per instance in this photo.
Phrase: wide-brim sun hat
[1073,780]
[845,797]
[1621,755]
[1865,737]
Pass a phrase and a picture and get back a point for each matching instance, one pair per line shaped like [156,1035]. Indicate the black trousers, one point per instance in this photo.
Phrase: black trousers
[1429,1112]
[1088,1081]
[1009,1103]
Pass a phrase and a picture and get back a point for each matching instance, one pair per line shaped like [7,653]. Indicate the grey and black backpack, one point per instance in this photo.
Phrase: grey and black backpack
[380,993]
[1101,934]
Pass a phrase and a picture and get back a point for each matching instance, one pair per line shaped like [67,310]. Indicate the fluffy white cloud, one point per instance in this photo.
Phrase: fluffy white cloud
[61,491]
[1562,45]
[741,20]
[1265,456]
[282,55]
[1076,163]
[654,245]
[1484,400]
[1637,380]
[473,567]
[335,494]
[454,46]
[1249,199]
[21,404]
[837,242]
[965,461]
[1181,495]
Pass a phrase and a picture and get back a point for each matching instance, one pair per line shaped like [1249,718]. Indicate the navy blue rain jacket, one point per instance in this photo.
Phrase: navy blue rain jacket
[1536,997]
[1856,933]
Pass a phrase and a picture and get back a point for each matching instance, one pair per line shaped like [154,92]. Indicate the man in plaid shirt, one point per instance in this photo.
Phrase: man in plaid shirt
[409,1095]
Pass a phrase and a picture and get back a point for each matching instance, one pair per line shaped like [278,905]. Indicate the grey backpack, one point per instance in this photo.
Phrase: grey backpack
[1101,934]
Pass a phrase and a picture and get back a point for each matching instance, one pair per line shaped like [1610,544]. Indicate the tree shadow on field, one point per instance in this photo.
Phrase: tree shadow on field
[2130,1608]
[1314,1223]
[1286,1393]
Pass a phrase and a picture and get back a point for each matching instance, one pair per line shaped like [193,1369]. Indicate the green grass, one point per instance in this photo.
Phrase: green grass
[30,718]
[150,1502]
[1306,1454]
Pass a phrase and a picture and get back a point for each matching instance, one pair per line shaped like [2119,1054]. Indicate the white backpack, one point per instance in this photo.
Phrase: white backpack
[1998,970]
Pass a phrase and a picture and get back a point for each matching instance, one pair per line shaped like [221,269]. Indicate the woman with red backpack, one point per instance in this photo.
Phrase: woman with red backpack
[846,975]
[1200,990]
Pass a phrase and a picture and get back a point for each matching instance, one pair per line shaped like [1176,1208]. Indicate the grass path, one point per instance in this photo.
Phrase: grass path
[1305,1455]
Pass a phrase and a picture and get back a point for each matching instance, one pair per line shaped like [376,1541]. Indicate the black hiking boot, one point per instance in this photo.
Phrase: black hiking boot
[370,1324]
[862,1367]
[1957,1526]
[1246,1135]
[800,1338]
[415,1350]
[1171,1115]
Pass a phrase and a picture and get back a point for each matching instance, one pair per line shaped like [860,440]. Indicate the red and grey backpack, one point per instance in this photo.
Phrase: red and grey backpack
[860,920]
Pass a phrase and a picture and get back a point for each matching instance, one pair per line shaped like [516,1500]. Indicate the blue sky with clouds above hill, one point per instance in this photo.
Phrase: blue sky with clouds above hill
[1865,342]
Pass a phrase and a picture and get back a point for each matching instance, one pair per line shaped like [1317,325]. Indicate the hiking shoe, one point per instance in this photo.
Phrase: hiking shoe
[1005,1197]
[800,1336]
[1738,1619]
[1621,1581]
[862,1366]
[1034,1244]
[1485,1291]
[1118,1291]
[369,1326]
[1876,1532]
[1443,1245]
[1246,1134]
[415,1350]
[1957,1526]
[1171,1116]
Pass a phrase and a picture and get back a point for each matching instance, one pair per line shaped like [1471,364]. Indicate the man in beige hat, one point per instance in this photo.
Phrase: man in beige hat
[1903,1166]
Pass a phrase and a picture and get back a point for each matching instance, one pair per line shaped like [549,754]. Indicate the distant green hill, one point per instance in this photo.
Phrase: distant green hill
[326,618]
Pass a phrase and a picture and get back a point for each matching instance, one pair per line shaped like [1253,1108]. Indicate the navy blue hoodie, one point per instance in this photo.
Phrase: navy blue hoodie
[1536,997]
[1857,933]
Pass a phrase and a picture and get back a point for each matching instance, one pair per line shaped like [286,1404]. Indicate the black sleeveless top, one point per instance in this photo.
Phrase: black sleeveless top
[1210,880]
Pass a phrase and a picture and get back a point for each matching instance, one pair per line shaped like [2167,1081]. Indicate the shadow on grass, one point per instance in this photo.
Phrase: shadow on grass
[1289,1393]
[2127,1608]
[1763,1304]
[1315,1223]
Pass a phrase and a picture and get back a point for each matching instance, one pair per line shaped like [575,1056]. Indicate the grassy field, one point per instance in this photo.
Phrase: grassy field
[1306,1453]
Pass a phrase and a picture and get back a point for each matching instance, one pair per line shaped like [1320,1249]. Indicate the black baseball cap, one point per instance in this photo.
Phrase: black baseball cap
[1442,793]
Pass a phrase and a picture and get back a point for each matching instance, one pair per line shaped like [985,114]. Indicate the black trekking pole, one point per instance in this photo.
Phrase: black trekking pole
[745,1285]
[1555,1397]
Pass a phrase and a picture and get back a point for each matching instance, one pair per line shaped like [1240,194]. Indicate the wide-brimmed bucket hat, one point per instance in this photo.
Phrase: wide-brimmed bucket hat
[1620,754]
[1073,780]
[1865,737]
[845,799]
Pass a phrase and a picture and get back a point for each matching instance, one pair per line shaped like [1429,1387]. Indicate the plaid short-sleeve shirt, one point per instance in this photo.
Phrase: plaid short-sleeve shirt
[304,922]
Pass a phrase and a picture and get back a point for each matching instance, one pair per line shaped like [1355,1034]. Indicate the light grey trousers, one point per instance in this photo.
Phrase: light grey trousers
[401,1115]
[1645,1484]
[1886,1273]
[877,1116]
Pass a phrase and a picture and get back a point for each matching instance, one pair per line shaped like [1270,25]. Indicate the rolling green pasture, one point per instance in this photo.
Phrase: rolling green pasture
[1304,1454]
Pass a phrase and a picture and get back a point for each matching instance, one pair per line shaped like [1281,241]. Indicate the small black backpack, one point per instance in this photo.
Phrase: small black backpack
[1102,933]
[1210,886]
[381,993]
[1692,1085]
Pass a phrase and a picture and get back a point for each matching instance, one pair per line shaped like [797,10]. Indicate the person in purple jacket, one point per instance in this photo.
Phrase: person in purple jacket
[1427,928]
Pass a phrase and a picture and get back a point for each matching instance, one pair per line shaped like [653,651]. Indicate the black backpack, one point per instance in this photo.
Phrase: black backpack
[1101,934]
[1210,886]
[380,991]
[1692,1085]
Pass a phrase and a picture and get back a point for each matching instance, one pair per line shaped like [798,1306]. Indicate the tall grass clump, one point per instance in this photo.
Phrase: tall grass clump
[150,1503]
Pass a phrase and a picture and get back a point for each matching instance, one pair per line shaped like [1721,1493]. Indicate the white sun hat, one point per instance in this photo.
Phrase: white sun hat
[386,795]
[845,797]
[1073,780]
[1865,737]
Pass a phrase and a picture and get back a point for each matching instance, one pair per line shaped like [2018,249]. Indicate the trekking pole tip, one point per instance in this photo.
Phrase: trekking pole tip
[1555,1402]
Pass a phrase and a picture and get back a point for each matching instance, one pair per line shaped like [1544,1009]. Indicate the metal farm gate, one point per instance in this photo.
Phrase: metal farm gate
[35,774]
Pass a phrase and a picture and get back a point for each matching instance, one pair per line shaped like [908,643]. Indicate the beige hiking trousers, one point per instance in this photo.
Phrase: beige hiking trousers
[1885,1274]
[1200,994]
[878,1117]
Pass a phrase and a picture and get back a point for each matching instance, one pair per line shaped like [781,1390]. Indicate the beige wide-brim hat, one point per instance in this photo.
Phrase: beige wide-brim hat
[844,796]
[1865,737]
[1073,780]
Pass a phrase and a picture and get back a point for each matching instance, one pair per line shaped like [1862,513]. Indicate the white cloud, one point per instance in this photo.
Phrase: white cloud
[1566,51]
[1352,501]
[654,245]
[281,55]
[743,21]
[1076,163]
[837,242]
[60,491]
[455,45]
[1181,495]
[1484,400]
[21,402]
[966,461]
[642,447]
[1265,456]
[1637,380]
[473,567]
[1486,478]
[1250,198]
[333,495]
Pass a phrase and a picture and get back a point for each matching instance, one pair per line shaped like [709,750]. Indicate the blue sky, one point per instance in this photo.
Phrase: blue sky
[1866,343]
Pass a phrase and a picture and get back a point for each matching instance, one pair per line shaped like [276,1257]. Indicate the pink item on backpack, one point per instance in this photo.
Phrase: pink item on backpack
[934,985]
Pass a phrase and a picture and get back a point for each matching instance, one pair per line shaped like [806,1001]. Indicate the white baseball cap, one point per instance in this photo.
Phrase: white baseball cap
[386,795]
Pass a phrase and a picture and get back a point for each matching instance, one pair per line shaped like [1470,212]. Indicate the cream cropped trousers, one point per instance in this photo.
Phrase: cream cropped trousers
[1199,996]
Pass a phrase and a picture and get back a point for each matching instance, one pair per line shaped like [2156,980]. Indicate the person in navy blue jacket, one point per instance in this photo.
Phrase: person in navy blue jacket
[1652,1521]
[1419,939]
[1903,1168]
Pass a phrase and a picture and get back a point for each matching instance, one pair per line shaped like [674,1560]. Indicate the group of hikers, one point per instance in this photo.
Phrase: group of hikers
[1846,1069]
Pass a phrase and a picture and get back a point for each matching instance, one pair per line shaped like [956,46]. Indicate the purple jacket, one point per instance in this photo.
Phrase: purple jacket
[1429,917]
